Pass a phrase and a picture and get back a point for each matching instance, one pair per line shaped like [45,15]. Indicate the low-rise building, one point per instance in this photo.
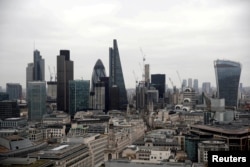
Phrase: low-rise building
[66,155]
[96,143]
[35,134]
[56,131]
[18,122]
[235,135]
[17,162]
[57,117]
[205,146]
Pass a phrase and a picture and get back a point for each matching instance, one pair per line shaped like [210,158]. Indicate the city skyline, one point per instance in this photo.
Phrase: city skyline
[184,36]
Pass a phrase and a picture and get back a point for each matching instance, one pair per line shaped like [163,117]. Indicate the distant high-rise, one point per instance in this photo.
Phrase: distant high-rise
[14,90]
[38,74]
[184,83]
[78,96]
[52,91]
[29,73]
[65,73]
[196,85]
[159,82]
[147,74]
[227,78]
[116,75]
[98,71]
[206,87]
[190,84]
[99,98]
[36,100]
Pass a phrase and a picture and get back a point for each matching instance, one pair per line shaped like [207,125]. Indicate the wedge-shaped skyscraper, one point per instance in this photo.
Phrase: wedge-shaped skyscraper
[227,79]
[116,75]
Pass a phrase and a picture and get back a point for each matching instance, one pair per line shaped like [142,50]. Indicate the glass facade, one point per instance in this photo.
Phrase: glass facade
[158,81]
[38,74]
[78,96]
[36,100]
[116,75]
[14,91]
[98,71]
[227,79]
[65,73]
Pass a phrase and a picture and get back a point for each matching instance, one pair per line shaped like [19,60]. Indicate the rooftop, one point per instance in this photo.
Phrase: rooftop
[224,128]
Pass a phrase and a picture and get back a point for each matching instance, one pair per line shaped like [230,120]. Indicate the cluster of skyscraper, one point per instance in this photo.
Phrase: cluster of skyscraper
[104,93]
[107,92]
[227,79]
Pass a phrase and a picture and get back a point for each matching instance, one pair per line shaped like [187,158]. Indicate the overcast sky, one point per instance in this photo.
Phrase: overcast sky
[174,35]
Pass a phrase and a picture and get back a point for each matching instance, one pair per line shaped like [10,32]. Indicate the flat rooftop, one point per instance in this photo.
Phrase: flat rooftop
[224,128]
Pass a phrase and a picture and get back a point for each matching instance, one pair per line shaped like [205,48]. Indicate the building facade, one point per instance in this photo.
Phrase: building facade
[205,146]
[36,100]
[159,82]
[190,82]
[38,70]
[196,85]
[9,109]
[116,74]
[227,78]
[66,155]
[14,90]
[206,88]
[29,75]
[52,91]
[98,71]
[65,73]
[78,96]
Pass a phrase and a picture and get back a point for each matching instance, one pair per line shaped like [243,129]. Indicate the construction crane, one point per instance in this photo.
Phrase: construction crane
[180,80]
[50,74]
[143,63]
[136,78]
[174,87]
[55,73]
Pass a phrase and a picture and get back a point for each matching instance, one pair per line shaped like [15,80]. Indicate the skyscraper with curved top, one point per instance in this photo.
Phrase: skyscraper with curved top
[98,72]
[116,75]
[227,79]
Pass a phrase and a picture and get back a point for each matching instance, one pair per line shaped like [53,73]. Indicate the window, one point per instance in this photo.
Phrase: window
[205,156]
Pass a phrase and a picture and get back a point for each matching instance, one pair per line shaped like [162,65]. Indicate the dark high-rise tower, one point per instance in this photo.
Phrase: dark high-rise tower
[38,73]
[159,82]
[227,79]
[65,72]
[116,75]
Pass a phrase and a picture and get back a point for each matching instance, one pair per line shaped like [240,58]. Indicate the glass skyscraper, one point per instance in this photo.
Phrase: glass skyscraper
[159,82]
[38,74]
[227,79]
[98,72]
[78,96]
[65,73]
[14,91]
[116,75]
[36,100]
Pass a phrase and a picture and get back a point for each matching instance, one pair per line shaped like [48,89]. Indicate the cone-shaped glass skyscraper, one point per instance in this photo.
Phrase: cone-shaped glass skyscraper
[98,72]
[116,75]
[227,79]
